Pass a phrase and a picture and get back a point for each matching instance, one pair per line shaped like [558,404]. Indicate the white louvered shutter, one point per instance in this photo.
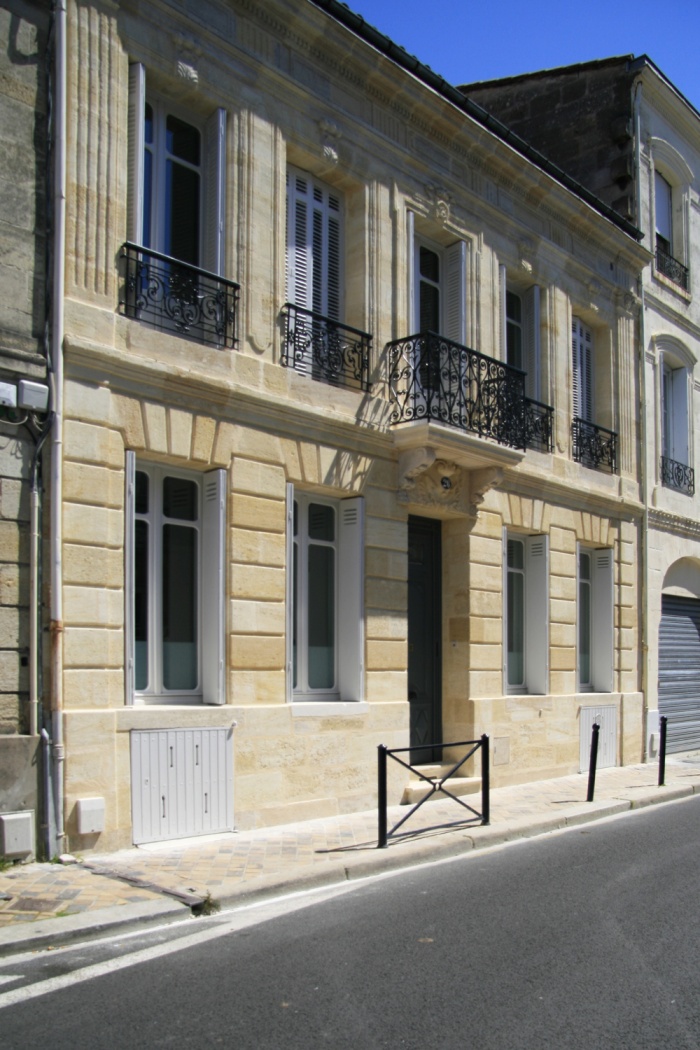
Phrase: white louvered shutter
[314,246]
[213,600]
[502,316]
[602,622]
[537,613]
[582,370]
[531,338]
[129,556]
[351,618]
[215,192]
[455,292]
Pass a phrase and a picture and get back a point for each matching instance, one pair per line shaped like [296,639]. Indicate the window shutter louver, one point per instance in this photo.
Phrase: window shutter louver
[351,578]
[537,613]
[137,105]
[602,622]
[215,198]
[679,416]
[129,551]
[213,599]
[455,262]
[582,370]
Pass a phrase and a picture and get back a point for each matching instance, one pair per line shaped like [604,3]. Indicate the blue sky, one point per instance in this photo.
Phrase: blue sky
[466,40]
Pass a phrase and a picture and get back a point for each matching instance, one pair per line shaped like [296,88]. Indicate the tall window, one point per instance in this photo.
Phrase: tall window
[582,370]
[674,410]
[663,201]
[439,289]
[174,551]
[172,205]
[526,626]
[325,597]
[314,245]
[520,331]
[595,620]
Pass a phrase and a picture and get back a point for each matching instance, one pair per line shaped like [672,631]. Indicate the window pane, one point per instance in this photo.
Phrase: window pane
[148,124]
[180,498]
[516,554]
[516,628]
[429,320]
[295,611]
[429,264]
[181,213]
[179,607]
[147,197]
[321,621]
[141,500]
[182,140]
[514,307]
[140,601]
[321,522]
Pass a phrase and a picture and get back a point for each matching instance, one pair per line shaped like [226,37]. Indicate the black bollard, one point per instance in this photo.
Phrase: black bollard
[662,750]
[381,797]
[593,762]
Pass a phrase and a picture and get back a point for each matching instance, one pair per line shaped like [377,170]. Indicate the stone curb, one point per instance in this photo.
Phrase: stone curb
[55,933]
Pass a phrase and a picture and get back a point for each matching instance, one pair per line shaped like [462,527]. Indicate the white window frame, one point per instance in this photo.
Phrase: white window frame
[211,524]
[349,600]
[535,613]
[582,357]
[663,213]
[529,327]
[212,168]
[315,245]
[601,625]
[451,285]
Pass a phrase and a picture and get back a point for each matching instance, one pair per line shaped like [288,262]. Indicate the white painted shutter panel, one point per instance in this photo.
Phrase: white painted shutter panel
[290,611]
[575,369]
[536,613]
[215,200]
[351,590]
[504,608]
[502,316]
[582,370]
[129,555]
[531,338]
[299,253]
[137,105]
[602,622]
[331,284]
[214,588]
[455,292]
[411,256]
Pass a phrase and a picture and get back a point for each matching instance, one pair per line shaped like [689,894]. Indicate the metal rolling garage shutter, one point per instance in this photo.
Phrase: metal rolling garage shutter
[679,671]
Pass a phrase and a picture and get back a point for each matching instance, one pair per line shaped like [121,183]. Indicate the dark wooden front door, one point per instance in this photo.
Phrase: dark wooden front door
[424,636]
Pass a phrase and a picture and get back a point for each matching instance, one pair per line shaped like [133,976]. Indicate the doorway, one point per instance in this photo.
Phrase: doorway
[424,638]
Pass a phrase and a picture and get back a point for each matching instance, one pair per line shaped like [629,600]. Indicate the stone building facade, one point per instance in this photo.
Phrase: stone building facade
[23,377]
[329,478]
[623,129]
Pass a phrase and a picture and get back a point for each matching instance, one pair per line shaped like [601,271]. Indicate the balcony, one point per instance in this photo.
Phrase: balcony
[594,446]
[433,379]
[324,349]
[177,297]
[678,476]
[671,268]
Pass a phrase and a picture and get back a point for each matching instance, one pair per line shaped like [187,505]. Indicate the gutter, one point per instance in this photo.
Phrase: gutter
[357,25]
[56,384]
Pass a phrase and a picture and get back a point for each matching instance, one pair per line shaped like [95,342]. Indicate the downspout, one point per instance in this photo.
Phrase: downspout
[34,602]
[59,234]
[643,418]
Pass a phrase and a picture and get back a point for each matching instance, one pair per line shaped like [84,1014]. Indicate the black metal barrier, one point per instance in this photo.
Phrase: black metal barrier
[437,784]
[593,762]
[662,749]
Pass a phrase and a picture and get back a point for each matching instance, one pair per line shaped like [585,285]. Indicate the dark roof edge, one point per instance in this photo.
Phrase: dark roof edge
[356,24]
[575,67]
[635,64]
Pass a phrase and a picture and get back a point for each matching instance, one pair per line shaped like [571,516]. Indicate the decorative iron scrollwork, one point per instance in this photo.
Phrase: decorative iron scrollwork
[677,476]
[671,268]
[594,446]
[177,297]
[324,349]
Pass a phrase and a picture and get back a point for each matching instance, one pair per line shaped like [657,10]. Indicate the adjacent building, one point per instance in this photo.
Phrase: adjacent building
[347,441]
[625,131]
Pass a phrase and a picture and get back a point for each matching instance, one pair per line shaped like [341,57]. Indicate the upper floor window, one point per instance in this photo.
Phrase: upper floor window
[520,331]
[663,200]
[593,444]
[669,204]
[582,370]
[676,471]
[314,245]
[439,283]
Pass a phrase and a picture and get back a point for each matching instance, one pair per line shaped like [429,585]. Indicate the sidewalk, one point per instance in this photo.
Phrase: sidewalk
[51,904]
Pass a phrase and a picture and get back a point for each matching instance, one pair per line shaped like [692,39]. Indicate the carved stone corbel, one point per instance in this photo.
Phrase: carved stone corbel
[480,483]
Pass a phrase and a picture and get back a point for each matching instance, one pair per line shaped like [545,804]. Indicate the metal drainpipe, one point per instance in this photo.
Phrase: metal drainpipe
[643,415]
[34,603]
[59,234]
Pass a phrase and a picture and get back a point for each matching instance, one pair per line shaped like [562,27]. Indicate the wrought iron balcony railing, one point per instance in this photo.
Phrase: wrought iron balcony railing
[677,476]
[324,349]
[539,425]
[594,446]
[672,268]
[178,297]
[433,378]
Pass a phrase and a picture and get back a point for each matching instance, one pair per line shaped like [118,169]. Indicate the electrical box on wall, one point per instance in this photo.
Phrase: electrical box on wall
[17,835]
[34,396]
[91,815]
[8,395]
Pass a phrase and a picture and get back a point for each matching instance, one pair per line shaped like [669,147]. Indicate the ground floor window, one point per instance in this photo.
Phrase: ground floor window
[174,584]
[595,620]
[526,621]
[325,597]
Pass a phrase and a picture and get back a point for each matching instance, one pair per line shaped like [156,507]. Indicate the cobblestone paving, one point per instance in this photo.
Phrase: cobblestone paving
[197,868]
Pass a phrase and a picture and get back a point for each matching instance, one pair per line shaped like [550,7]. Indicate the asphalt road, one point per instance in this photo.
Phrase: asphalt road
[587,939]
